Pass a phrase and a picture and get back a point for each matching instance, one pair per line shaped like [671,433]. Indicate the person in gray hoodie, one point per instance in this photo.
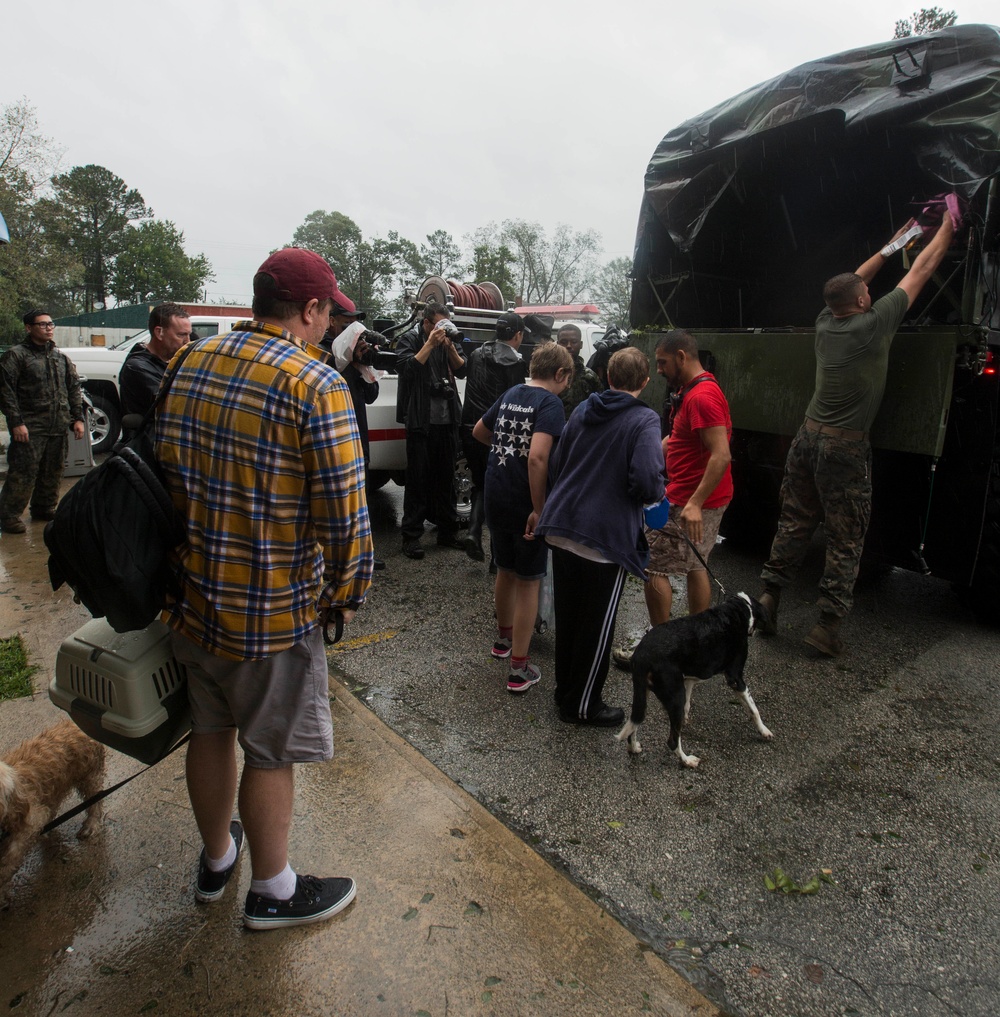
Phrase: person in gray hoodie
[607,465]
[492,369]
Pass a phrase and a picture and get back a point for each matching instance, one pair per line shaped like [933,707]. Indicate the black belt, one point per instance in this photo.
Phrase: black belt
[836,432]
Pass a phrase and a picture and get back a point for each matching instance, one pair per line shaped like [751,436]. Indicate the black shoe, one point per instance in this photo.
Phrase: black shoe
[603,716]
[378,564]
[43,515]
[451,540]
[412,549]
[211,884]
[13,526]
[314,900]
[474,549]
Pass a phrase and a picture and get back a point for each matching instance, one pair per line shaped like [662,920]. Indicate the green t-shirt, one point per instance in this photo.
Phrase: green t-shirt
[852,358]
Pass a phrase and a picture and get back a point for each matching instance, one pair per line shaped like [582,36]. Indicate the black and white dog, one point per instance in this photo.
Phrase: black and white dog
[671,658]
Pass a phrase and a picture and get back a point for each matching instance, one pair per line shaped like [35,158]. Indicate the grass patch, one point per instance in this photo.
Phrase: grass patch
[15,671]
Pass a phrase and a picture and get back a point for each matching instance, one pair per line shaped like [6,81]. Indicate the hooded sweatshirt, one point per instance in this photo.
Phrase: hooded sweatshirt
[607,465]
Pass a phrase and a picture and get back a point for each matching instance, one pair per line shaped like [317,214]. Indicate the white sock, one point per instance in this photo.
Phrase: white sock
[218,864]
[280,887]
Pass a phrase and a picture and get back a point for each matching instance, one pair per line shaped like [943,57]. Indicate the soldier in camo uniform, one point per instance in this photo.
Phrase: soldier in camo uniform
[584,380]
[40,397]
[828,471]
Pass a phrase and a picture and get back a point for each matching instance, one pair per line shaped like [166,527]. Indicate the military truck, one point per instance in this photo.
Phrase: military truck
[750,207]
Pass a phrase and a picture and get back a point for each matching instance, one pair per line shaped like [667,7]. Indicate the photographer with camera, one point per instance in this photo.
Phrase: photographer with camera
[429,359]
[353,353]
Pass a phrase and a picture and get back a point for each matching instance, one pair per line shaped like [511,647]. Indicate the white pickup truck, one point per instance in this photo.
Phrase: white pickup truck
[99,367]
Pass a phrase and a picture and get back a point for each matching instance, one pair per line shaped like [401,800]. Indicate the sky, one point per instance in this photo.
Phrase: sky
[236,120]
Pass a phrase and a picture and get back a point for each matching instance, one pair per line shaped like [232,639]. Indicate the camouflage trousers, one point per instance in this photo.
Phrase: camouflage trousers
[827,480]
[34,470]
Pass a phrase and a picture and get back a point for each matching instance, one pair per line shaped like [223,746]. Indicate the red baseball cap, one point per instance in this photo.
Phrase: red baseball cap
[294,273]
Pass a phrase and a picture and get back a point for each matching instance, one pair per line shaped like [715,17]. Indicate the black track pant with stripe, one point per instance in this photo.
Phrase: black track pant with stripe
[586,595]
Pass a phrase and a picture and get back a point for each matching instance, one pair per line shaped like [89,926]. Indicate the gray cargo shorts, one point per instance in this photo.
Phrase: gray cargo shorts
[280,706]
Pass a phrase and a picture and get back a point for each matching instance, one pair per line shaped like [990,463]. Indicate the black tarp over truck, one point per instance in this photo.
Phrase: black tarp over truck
[749,208]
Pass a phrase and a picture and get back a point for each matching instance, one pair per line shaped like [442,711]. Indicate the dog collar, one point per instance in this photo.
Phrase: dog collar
[744,596]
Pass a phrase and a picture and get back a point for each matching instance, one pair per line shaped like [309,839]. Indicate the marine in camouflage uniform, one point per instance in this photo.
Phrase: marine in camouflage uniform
[41,398]
[828,471]
[585,381]
[827,479]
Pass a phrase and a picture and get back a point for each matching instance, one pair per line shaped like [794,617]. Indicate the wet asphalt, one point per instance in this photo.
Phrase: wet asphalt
[882,780]
[882,776]
[454,913]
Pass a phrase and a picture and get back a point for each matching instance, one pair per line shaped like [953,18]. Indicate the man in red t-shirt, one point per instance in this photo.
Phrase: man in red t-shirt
[699,477]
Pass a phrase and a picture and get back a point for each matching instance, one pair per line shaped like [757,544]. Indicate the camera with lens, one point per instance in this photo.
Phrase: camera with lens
[449,327]
[367,352]
[441,389]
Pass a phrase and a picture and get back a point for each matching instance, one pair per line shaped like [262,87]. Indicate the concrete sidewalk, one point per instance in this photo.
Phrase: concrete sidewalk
[454,914]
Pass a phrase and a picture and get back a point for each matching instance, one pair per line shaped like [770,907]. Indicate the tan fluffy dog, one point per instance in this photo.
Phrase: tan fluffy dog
[35,778]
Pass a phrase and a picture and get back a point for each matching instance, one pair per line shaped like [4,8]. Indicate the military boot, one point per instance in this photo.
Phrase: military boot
[769,600]
[824,637]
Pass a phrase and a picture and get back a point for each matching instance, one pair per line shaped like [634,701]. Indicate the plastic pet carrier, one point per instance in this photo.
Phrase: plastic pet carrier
[124,689]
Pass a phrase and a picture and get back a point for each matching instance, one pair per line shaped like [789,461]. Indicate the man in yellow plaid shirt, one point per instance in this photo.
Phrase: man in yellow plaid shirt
[259,444]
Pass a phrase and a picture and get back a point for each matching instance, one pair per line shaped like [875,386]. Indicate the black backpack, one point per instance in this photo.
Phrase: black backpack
[113,532]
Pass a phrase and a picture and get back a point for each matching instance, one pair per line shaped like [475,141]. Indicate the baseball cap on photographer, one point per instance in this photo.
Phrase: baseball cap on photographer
[297,274]
[346,308]
[509,324]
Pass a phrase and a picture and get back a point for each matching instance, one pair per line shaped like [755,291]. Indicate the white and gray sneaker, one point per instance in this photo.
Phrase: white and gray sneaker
[521,679]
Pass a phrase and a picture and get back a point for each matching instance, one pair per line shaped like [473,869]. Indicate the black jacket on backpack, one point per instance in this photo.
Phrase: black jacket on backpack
[112,536]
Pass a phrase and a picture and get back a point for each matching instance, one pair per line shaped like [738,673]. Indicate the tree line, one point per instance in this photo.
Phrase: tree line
[79,238]
[528,265]
[83,240]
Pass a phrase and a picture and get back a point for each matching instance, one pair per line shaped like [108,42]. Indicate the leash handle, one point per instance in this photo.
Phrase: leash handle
[335,615]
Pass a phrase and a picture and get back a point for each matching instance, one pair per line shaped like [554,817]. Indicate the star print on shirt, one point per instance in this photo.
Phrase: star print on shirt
[512,435]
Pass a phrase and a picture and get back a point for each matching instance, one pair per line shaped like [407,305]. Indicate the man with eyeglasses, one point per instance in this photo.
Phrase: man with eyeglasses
[41,398]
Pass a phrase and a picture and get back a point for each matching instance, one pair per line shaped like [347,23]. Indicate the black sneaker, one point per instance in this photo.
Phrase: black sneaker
[412,549]
[314,900]
[211,884]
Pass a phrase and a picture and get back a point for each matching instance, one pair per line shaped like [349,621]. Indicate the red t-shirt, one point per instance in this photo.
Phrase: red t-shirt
[703,406]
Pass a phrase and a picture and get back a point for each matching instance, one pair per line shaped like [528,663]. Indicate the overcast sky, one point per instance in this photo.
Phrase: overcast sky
[235,120]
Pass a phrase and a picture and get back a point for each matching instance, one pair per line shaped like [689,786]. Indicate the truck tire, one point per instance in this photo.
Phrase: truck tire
[105,424]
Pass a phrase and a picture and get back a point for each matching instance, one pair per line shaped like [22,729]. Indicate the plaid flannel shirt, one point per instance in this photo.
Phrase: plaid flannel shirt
[259,445]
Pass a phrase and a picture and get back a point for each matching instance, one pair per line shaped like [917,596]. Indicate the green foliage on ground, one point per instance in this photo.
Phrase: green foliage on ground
[15,671]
